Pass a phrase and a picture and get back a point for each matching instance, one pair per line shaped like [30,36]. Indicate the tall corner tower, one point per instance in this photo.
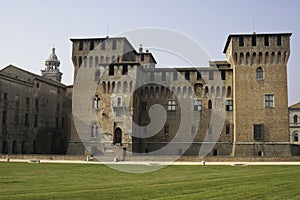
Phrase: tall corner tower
[51,70]
[260,93]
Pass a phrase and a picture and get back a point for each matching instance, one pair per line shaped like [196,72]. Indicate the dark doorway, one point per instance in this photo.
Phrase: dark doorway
[118,136]
[4,147]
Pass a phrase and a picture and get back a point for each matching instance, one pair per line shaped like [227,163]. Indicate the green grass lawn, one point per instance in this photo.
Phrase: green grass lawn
[84,181]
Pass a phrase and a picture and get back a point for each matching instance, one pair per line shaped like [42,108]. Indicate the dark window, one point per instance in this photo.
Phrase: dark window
[92,45]
[278,40]
[163,76]
[119,102]
[241,41]
[97,75]
[259,74]
[124,70]
[16,118]
[80,61]
[296,139]
[215,153]
[111,71]
[266,39]
[142,57]
[258,131]
[35,120]
[5,97]
[36,103]
[56,122]
[80,45]
[211,75]
[57,107]
[166,131]
[4,117]
[114,44]
[96,102]
[295,119]
[62,122]
[144,106]
[209,104]
[175,76]
[197,104]
[171,105]
[187,75]
[27,102]
[223,75]
[269,100]
[253,40]
[199,77]
[229,105]
[26,119]
[103,45]
[227,129]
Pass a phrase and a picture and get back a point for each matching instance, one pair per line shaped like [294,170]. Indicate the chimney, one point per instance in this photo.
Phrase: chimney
[141,48]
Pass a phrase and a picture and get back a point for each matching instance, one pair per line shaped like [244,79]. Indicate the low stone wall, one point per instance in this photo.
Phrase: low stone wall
[42,157]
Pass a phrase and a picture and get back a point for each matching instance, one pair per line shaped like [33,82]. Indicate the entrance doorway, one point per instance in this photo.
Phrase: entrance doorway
[118,136]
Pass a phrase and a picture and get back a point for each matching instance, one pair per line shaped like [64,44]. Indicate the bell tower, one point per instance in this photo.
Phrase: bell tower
[51,70]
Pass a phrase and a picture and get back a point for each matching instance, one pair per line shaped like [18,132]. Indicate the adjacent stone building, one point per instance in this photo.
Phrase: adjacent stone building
[294,127]
[239,104]
[34,110]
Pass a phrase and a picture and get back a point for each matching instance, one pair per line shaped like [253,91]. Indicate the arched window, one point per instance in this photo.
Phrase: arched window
[130,86]
[296,139]
[267,58]
[4,147]
[209,104]
[101,59]
[113,87]
[223,91]
[212,91]
[279,58]
[91,61]
[113,58]
[96,102]
[75,61]
[206,91]
[179,91]
[241,58]
[190,91]
[125,87]
[104,87]
[84,61]
[260,58]
[247,58]
[218,91]
[118,87]
[253,60]
[96,61]
[184,91]
[80,61]
[156,92]
[284,56]
[95,130]
[229,94]
[97,75]
[273,58]
[259,73]
[23,150]
[295,119]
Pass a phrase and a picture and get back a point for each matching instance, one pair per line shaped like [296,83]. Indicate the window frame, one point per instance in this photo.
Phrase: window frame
[269,102]
[197,104]
[171,105]
[258,132]
[229,105]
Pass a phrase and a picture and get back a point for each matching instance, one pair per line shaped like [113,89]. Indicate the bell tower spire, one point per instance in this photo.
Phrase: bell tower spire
[51,70]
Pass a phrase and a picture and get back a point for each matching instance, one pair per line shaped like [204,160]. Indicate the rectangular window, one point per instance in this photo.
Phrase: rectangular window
[35,120]
[144,106]
[193,130]
[211,75]
[36,103]
[187,75]
[111,71]
[4,117]
[269,100]
[124,69]
[114,44]
[16,118]
[266,39]
[241,41]
[175,76]
[197,104]
[229,105]
[163,76]
[142,57]
[253,40]
[227,129]
[119,102]
[199,77]
[56,122]
[258,131]
[223,75]
[26,120]
[5,97]
[62,122]
[80,45]
[57,107]
[103,45]
[27,102]
[92,45]
[37,85]
[171,105]
[166,131]
[278,40]
[151,76]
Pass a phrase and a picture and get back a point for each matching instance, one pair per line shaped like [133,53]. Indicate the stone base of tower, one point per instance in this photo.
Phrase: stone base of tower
[263,150]
[77,148]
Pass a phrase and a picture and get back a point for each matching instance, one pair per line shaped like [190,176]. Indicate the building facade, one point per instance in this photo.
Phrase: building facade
[294,127]
[35,110]
[238,104]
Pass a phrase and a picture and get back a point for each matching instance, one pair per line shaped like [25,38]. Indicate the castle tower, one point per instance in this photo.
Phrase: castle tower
[259,64]
[51,70]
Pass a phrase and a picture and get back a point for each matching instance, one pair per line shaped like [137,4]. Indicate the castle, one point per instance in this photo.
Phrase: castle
[234,107]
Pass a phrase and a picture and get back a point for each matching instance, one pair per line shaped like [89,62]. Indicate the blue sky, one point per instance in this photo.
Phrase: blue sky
[30,28]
